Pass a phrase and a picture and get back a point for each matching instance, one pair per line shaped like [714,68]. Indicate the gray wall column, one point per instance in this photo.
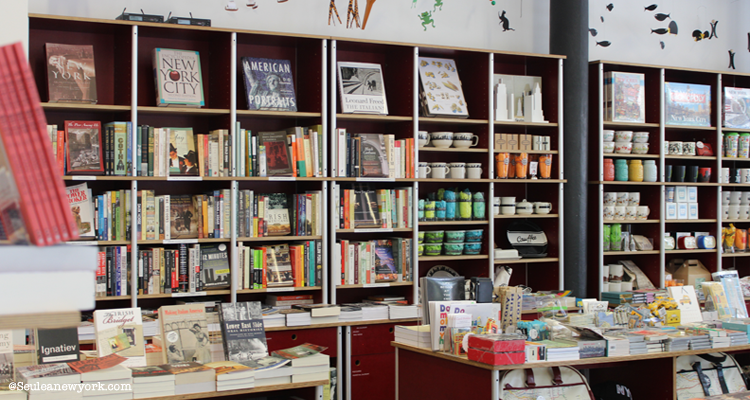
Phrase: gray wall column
[569,21]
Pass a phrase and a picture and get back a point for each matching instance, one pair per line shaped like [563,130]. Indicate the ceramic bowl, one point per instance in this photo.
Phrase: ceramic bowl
[624,136]
[420,249]
[472,248]
[609,135]
[640,137]
[640,148]
[420,237]
[434,236]
[609,147]
[433,249]
[474,235]
[441,139]
[623,147]
[453,249]
[454,236]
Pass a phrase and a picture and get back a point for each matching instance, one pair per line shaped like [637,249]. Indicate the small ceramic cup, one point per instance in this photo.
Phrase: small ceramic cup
[542,207]
[474,170]
[622,199]
[675,148]
[642,213]
[624,136]
[640,148]
[608,147]
[688,148]
[608,213]
[608,135]
[424,170]
[423,138]
[441,139]
[623,147]
[634,198]
[439,170]
[458,170]
[620,212]
[631,213]
[465,139]
[640,137]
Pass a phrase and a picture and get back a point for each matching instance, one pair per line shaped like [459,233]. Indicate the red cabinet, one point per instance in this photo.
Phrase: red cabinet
[373,376]
[372,339]
[326,337]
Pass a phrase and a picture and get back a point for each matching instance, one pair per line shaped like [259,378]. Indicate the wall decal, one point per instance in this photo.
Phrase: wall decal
[331,10]
[352,14]
[368,8]
[660,31]
[231,6]
[731,60]
[652,7]
[661,43]
[505,22]
[438,3]
[593,32]
[673,28]
[413,3]
[698,35]
[661,17]
[713,29]
[601,18]
[610,6]
[604,43]
[426,19]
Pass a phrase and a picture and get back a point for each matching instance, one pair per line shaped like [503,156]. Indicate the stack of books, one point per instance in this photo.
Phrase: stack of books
[320,313]
[115,379]
[273,318]
[720,341]
[371,311]
[417,336]
[617,346]
[737,338]
[403,311]
[231,375]
[350,314]
[617,298]
[152,381]
[270,370]
[46,375]
[192,377]
[700,342]
[283,302]
[637,344]
[677,343]
[310,368]
[297,317]
[561,351]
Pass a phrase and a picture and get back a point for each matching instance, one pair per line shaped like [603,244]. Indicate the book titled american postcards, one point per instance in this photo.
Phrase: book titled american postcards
[215,264]
[362,89]
[242,331]
[177,74]
[120,331]
[83,142]
[268,84]
[687,104]
[185,333]
[79,198]
[57,345]
[71,74]
[184,217]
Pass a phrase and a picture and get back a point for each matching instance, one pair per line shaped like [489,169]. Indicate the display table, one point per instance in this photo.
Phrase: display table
[422,373]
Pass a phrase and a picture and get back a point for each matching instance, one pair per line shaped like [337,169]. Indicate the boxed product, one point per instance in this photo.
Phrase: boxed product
[497,349]
[681,195]
[671,211]
[682,211]
[692,210]
[692,272]
[501,141]
[488,357]
[692,194]
[525,142]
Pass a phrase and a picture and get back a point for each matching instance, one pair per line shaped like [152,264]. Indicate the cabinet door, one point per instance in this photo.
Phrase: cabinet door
[372,339]
[373,376]
[284,339]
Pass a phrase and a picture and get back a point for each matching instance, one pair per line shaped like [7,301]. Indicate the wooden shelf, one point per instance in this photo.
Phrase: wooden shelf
[99,243]
[691,184]
[735,221]
[528,151]
[733,255]
[631,155]
[745,185]
[376,180]
[114,298]
[735,159]
[690,128]
[458,121]
[277,290]
[629,183]
[694,251]
[277,179]
[638,221]
[427,180]
[454,258]
[376,284]
[535,311]
[373,117]
[76,107]
[633,125]
[529,181]
[524,216]
[690,221]
[183,111]
[528,260]
[433,223]
[227,393]
[176,295]
[338,324]
[277,238]
[631,253]
[736,130]
[711,158]
[523,123]
[277,114]
[374,230]
[454,150]
[65,319]
[184,241]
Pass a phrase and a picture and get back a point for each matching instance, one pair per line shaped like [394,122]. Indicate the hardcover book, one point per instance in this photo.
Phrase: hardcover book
[183,160]
[361,88]
[215,265]
[687,104]
[242,331]
[57,345]
[441,93]
[279,268]
[277,156]
[79,198]
[268,84]
[71,73]
[277,215]
[366,214]
[625,97]
[47,373]
[185,333]
[120,331]
[83,143]
[385,265]
[183,217]
[736,108]
[6,357]
[373,157]
[178,78]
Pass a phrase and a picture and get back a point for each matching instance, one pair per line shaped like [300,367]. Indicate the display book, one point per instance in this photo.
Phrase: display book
[362,88]
[736,108]
[71,73]
[372,155]
[624,97]
[440,91]
[269,84]
[178,78]
[687,104]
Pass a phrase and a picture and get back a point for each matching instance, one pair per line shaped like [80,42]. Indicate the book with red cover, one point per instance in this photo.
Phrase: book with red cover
[96,364]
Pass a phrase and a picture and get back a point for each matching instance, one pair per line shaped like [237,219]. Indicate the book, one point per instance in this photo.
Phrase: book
[71,73]
[687,104]
[269,84]
[185,333]
[91,367]
[440,88]
[687,303]
[190,372]
[215,266]
[79,197]
[242,331]
[120,331]
[151,374]
[56,345]
[624,97]
[362,88]
[178,78]
[366,212]
[278,160]
[230,370]
[277,214]
[302,355]
[183,219]
[6,357]
[736,108]
[183,159]
[374,160]
[279,270]
[83,145]
[385,265]
[48,373]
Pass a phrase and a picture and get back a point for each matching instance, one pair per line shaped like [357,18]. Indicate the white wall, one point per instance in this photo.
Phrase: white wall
[464,23]
[628,27]
[14,22]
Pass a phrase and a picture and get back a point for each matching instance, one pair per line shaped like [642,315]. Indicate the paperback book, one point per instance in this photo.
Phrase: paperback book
[184,217]
[83,144]
[736,108]
[185,333]
[277,154]
[215,265]
[71,73]
[120,331]
[374,160]
[277,214]
[687,104]
[624,97]
[79,198]
[183,160]
[178,78]
[268,84]
[279,271]
[6,357]
[56,345]
[440,91]
[242,331]
[361,88]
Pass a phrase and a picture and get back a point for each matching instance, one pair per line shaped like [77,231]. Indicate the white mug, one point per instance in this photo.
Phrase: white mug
[614,286]
[622,199]
[474,171]
[610,198]
[465,139]
[735,198]
[745,212]
[631,213]
[745,199]
[424,170]
[507,209]
[605,273]
[441,139]
[725,212]
[642,213]
[424,138]
[458,170]
[745,175]
[439,170]
[725,197]
[725,175]
[626,286]
[620,212]
[734,211]
[542,207]
[634,198]
[508,201]
[615,273]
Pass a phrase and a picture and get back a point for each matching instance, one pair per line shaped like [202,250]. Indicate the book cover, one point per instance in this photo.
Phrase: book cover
[183,217]
[98,363]
[183,160]
[385,265]
[279,269]
[736,108]
[71,73]
[120,331]
[687,303]
[687,104]
[178,78]
[362,89]
[57,345]
[82,208]
[215,266]
[266,363]
[40,371]
[366,214]
[268,84]
[185,333]
[372,155]
[83,145]
[441,92]
[148,372]
[277,215]
[242,331]
[6,357]
[301,351]
[628,97]
[277,156]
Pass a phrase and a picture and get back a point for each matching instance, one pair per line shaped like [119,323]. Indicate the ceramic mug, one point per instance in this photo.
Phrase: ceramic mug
[622,198]
[744,211]
[608,213]
[620,212]
[623,136]
[725,175]
[735,198]
[725,197]
[439,170]
[423,138]
[725,212]
[508,201]
[745,199]
[688,148]
[424,170]
[640,137]
[610,198]
[474,170]
[675,148]
[745,175]
[734,211]
[608,147]
[542,207]
[623,147]
[608,135]
[507,209]
[640,148]
[634,198]
[631,212]
[458,170]
[642,213]
[441,140]
[465,139]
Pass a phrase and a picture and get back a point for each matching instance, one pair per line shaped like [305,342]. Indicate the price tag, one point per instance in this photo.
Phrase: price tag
[184,178]
[371,230]
[189,294]
[84,243]
[83,177]
[282,178]
[180,241]
[376,179]
[278,289]
[381,284]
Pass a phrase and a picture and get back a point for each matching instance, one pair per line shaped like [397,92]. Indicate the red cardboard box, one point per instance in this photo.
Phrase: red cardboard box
[496,343]
[488,357]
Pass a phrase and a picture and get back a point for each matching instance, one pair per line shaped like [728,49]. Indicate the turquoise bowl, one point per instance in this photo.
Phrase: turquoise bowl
[474,235]
[432,249]
[434,236]
[472,248]
[454,236]
[453,249]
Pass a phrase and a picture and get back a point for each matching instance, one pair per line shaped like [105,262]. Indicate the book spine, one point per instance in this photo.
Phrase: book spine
[183,269]
[129,148]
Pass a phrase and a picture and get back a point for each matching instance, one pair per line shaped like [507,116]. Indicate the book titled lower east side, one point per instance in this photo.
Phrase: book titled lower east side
[362,88]
[242,331]
[177,74]
[269,84]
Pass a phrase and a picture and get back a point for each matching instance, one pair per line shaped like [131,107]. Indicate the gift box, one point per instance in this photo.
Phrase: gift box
[497,343]
[525,142]
[512,141]
[488,357]
[501,141]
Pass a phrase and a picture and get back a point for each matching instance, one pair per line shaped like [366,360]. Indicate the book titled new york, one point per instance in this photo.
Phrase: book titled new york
[185,333]
[362,89]
[57,345]
[687,104]
[242,331]
[83,143]
[79,197]
[215,265]
[268,84]
[177,74]
[184,217]
[120,331]
[71,73]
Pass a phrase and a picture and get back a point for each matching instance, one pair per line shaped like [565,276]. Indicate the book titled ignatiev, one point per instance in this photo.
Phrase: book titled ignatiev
[242,331]
[71,75]
[177,74]
[57,345]
[268,84]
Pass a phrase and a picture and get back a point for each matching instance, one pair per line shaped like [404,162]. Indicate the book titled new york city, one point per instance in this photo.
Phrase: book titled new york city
[178,78]
[242,330]
[687,104]
[268,84]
